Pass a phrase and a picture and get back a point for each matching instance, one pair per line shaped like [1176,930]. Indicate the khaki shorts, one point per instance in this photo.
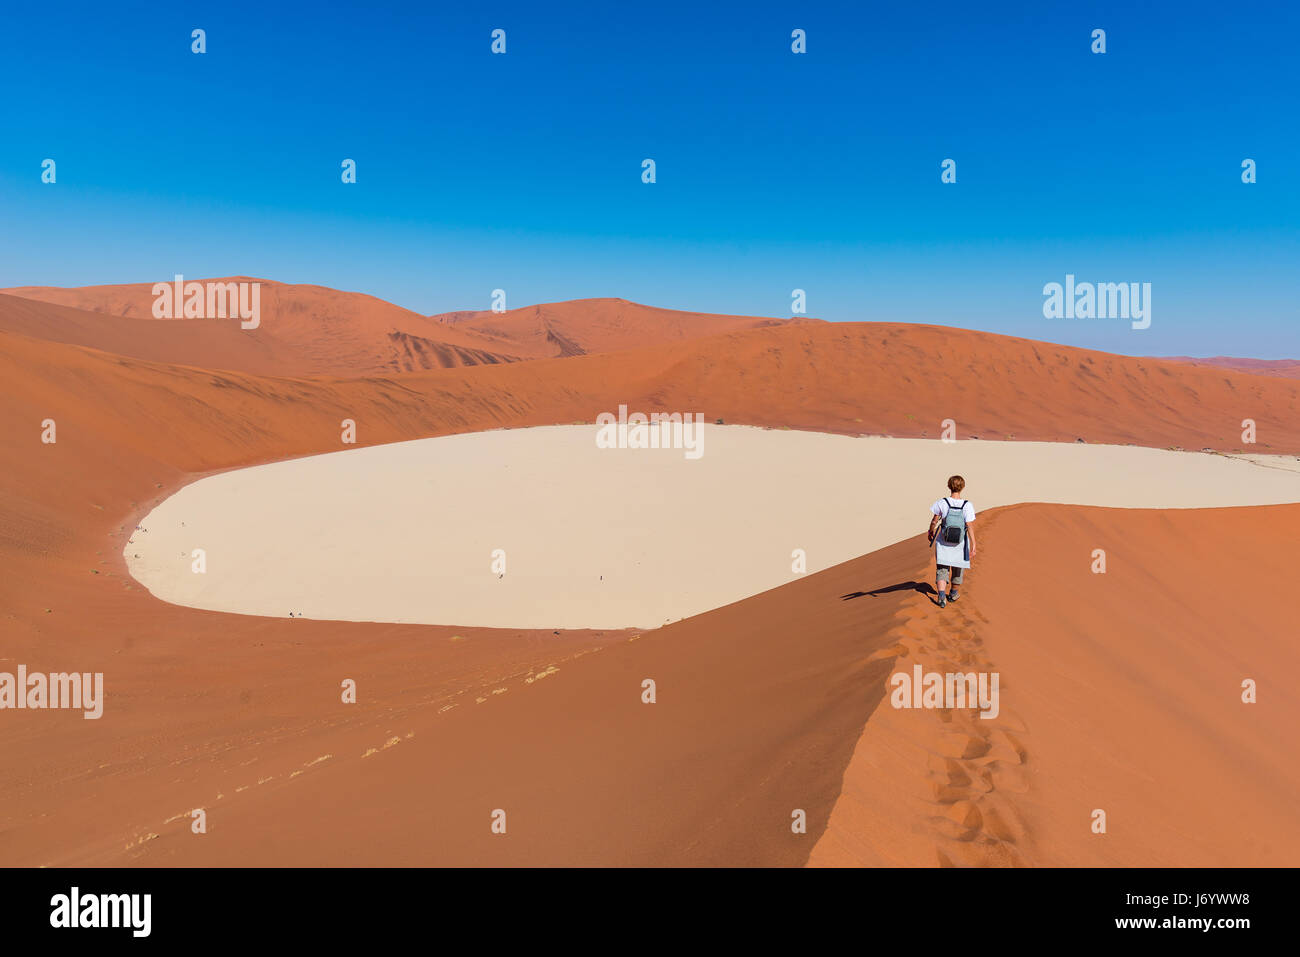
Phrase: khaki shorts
[943,573]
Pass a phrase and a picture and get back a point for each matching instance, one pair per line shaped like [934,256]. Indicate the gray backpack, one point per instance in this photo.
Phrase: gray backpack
[953,529]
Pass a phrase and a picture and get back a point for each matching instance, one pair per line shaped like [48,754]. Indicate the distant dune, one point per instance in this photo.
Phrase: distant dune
[313,330]
[304,330]
[1290,368]
[586,326]
[854,378]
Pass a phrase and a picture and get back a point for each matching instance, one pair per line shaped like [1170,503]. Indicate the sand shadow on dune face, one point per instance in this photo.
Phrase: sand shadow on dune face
[923,588]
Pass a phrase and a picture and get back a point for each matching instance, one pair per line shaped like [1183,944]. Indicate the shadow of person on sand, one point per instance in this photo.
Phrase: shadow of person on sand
[923,588]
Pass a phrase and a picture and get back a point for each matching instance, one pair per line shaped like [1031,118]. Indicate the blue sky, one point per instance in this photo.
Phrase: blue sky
[775,171]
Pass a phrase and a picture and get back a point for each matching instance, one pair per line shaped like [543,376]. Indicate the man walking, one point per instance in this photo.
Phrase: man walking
[953,539]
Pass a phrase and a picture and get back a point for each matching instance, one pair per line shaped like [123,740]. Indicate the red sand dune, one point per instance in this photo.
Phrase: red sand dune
[586,326]
[760,704]
[1119,691]
[215,344]
[313,330]
[303,330]
[860,378]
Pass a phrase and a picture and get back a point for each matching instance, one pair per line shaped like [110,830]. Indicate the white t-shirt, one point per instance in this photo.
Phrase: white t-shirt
[954,555]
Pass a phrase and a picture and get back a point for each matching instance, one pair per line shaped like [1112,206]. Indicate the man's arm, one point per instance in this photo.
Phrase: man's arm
[970,537]
[934,523]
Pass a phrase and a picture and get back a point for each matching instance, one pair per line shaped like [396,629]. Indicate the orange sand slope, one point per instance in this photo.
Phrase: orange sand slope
[1119,691]
[757,710]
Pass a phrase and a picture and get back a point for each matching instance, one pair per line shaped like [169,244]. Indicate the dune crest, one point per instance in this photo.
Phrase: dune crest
[1121,692]
[587,326]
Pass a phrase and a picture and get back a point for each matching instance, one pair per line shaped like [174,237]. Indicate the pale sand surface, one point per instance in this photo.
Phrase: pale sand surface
[612,538]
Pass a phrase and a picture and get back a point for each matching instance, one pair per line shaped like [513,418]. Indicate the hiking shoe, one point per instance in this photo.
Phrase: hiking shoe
[952,596]
[942,599]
